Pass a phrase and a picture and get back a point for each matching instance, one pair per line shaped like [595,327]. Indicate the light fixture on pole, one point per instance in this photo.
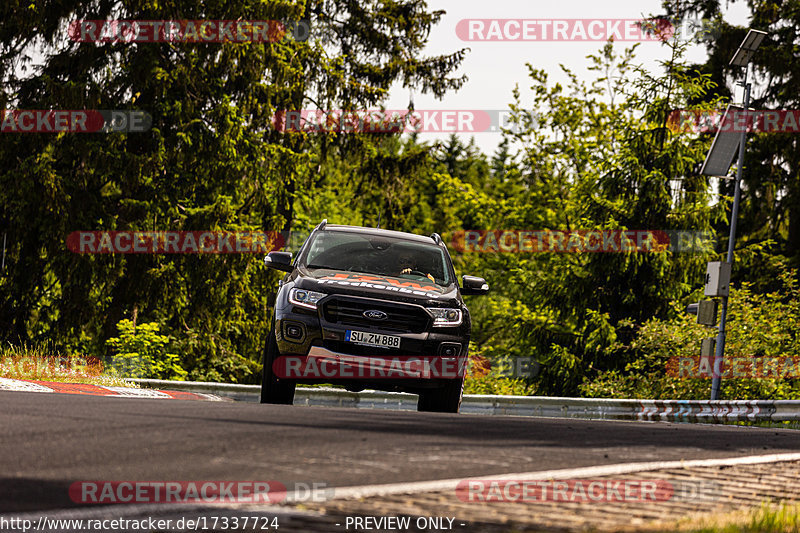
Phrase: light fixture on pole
[748,47]
[717,163]
[724,146]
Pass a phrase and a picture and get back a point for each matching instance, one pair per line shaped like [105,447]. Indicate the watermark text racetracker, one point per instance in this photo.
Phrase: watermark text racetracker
[74,121]
[322,365]
[186,31]
[174,242]
[564,29]
[401,120]
[736,120]
[703,367]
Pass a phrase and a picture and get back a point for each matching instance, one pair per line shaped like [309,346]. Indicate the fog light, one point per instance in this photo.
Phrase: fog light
[449,349]
[293,331]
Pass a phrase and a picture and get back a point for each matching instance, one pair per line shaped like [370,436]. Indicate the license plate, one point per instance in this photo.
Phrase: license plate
[372,339]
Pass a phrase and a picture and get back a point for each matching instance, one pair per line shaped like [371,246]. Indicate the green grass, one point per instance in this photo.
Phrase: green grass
[43,363]
[767,519]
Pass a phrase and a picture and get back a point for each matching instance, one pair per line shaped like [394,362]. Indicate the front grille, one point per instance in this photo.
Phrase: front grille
[401,318]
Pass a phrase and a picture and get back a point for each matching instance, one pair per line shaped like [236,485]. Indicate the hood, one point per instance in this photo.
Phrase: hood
[384,287]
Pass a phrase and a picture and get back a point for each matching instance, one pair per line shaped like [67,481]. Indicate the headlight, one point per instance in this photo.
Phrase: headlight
[445,317]
[307,299]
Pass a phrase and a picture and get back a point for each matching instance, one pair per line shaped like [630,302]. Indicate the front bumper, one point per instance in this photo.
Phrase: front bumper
[308,340]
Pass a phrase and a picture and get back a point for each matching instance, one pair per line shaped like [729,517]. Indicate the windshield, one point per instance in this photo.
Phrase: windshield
[370,254]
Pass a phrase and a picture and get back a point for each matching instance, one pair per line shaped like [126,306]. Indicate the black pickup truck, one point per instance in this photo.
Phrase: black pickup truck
[370,308]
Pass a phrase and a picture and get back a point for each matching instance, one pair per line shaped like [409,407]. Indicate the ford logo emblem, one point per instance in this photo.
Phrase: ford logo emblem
[374,314]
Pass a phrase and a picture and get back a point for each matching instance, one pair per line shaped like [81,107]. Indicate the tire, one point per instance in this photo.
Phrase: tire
[274,390]
[444,400]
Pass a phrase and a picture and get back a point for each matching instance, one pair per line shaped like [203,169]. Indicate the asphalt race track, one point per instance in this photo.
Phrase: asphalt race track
[49,441]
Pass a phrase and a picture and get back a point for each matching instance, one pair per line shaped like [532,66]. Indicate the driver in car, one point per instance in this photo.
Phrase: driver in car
[408,265]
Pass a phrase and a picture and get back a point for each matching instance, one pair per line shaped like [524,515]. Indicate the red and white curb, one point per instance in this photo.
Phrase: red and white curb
[24,385]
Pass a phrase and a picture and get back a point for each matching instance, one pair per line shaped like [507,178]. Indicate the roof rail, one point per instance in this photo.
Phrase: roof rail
[322,224]
[436,238]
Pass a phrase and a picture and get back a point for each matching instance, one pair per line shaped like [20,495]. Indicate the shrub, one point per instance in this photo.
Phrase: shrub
[758,325]
[141,352]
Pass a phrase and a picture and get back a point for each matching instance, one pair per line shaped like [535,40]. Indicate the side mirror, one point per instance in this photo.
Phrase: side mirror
[473,286]
[279,261]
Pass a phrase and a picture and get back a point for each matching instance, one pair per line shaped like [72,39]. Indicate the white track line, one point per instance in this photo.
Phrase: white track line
[17,385]
[22,386]
[137,393]
[366,491]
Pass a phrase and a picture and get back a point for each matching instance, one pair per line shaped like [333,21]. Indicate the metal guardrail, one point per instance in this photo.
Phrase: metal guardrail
[706,411]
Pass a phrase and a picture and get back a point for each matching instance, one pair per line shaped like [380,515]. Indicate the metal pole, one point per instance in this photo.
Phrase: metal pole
[720,351]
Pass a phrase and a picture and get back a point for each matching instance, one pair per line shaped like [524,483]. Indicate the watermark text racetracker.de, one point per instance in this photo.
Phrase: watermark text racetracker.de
[397,121]
[656,29]
[73,121]
[206,491]
[174,242]
[598,490]
[581,241]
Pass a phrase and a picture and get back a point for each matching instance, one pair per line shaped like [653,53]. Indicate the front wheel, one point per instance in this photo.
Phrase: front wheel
[274,390]
[443,400]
